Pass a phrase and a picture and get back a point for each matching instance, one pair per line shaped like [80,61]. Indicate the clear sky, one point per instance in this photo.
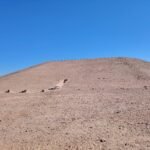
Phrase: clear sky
[35,31]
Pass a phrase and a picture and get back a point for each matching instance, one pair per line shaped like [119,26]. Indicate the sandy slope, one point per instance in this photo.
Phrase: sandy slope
[104,105]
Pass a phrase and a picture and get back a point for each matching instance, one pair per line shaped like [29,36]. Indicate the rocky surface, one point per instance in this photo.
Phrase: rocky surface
[103,104]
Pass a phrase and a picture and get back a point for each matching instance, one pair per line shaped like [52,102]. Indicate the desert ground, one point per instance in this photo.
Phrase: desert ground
[99,104]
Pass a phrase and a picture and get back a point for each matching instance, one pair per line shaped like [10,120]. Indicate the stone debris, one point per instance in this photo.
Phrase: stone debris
[8,91]
[24,91]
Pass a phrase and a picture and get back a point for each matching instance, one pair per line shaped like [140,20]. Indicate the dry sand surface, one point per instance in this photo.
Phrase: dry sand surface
[101,104]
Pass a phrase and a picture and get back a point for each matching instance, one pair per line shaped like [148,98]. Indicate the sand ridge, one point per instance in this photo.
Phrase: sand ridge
[59,85]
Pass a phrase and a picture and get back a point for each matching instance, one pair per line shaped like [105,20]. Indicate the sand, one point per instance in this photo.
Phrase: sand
[103,105]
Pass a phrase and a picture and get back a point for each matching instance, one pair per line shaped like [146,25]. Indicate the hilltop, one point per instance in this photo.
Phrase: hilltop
[84,104]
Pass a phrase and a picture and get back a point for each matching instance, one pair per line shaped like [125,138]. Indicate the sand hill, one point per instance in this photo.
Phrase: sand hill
[101,104]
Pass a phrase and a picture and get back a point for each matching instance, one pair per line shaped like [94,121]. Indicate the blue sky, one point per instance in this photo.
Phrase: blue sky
[35,31]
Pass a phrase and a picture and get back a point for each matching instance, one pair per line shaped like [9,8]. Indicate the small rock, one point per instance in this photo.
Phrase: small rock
[118,111]
[65,80]
[24,91]
[8,91]
[53,88]
[42,91]
[102,140]
[145,87]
